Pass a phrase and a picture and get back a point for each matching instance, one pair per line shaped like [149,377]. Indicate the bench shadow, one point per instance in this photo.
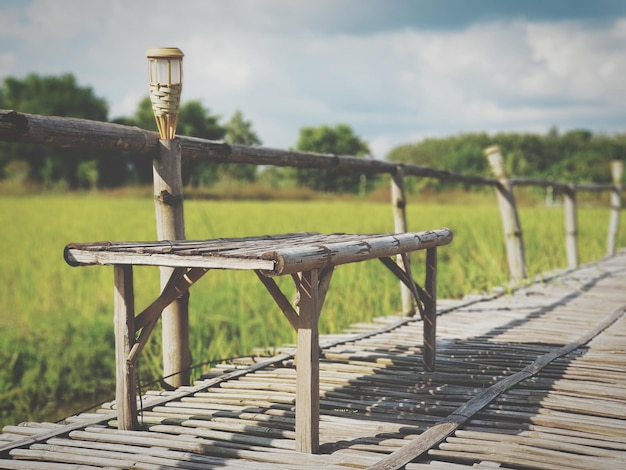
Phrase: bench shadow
[407,400]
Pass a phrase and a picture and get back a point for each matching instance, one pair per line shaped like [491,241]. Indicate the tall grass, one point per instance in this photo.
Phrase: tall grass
[56,321]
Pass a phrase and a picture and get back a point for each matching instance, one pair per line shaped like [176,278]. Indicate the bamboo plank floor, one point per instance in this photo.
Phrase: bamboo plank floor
[532,379]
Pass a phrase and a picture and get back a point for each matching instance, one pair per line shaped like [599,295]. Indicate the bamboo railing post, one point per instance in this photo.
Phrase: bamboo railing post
[617,169]
[168,200]
[571,226]
[510,219]
[398,202]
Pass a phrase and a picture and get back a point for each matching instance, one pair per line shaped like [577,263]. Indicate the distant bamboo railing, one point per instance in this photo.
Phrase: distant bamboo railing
[95,135]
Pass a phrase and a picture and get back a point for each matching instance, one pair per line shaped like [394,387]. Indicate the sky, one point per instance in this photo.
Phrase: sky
[396,71]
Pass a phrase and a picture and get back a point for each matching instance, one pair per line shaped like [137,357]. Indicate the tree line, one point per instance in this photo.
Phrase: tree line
[77,169]
[577,155]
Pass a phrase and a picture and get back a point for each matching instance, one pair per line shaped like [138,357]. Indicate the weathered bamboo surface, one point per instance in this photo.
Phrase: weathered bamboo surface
[272,254]
[532,379]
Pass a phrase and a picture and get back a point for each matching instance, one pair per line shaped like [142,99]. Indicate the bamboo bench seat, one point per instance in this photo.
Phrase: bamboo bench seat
[309,258]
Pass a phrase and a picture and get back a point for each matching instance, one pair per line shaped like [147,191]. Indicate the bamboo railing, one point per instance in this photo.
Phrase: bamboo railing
[94,135]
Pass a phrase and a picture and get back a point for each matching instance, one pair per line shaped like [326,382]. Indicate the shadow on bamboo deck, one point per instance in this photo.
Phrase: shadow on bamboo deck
[533,379]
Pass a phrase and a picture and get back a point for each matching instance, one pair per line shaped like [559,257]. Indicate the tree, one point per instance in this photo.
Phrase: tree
[239,131]
[576,155]
[194,120]
[338,140]
[52,96]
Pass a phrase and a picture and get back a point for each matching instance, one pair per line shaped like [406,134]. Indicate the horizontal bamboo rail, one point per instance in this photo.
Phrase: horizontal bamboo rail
[83,133]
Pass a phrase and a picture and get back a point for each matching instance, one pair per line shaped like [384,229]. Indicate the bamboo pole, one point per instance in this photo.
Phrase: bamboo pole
[124,340]
[617,169]
[398,202]
[95,135]
[168,201]
[571,226]
[510,219]
[430,311]
[307,365]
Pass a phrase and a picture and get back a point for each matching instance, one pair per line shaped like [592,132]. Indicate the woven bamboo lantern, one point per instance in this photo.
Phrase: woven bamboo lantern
[165,71]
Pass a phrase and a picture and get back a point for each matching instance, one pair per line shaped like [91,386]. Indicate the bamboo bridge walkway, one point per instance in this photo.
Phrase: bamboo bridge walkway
[530,379]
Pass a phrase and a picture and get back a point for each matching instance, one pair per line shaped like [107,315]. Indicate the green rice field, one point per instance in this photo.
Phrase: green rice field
[56,322]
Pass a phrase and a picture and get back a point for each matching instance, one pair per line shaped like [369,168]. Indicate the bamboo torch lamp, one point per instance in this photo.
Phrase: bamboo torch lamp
[165,71]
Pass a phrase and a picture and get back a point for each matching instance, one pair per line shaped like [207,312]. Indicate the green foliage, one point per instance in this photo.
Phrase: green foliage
[576,156]
[53,96]
[193,120]
[338,140]
[196,120]
[239,131]
[74,169]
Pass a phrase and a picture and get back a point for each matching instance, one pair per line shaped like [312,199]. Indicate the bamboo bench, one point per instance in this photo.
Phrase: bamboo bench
[309,258]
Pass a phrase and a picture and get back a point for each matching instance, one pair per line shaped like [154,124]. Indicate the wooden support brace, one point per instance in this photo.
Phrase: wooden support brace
[418,293]
[426,300]
[280,299]
[178,285]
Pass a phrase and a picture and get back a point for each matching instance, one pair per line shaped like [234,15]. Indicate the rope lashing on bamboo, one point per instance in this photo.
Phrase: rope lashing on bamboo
[165,103]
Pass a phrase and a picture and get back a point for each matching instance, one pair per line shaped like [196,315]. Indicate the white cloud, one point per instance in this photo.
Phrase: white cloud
[285,67]
[580,63]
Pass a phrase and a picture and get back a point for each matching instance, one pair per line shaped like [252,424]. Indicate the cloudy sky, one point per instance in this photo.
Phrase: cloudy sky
[396,71]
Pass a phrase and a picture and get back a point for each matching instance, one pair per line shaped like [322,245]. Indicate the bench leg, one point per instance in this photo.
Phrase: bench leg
[124,339]
[307,365]
[430,310]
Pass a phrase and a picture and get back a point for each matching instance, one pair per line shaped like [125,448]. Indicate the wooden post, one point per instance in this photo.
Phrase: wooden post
[398,201]
[571,226]
[124,319]
[168,200]
[617,168]
[510,219]
[307,365]
[430,311]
